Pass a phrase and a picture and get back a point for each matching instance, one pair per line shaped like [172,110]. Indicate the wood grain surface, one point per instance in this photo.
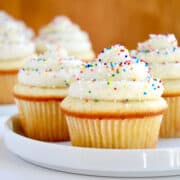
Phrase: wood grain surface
[107,21]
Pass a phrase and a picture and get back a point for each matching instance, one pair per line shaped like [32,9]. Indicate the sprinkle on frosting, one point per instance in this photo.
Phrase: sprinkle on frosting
[160,48]
[159,41]
[62,31]
[52,69]
[162,53]
[115,75]
[15,38]
[12,30]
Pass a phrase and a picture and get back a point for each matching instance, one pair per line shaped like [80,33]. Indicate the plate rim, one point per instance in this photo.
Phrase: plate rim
[9,129]
[142,173]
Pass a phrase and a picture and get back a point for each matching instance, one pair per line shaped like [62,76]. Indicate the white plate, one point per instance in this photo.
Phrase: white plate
[163,161]
[8,109]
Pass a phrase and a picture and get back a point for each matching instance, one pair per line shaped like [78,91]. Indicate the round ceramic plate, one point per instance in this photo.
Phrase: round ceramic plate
[8,109]
[162,161]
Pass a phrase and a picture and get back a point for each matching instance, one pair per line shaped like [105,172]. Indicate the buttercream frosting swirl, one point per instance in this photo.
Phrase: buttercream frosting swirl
[163,54]
[159,41]
[62,31]
[116,76]
[15,38]
[53,69]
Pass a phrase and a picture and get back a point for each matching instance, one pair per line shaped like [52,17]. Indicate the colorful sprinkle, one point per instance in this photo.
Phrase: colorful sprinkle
[96,100]
[145,93]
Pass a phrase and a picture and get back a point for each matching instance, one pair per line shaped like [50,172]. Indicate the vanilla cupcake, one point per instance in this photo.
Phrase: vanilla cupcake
[42,84]
[15,47]
[115,103]
[163,55]
[63,32]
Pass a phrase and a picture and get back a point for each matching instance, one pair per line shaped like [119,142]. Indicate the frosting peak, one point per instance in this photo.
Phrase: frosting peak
[115,63]
[163,54]
[53,69]
[59,23]
[62,31]
[116,53]
[159,41]
[116,76]
[15,38]
[159,49]
[12,30]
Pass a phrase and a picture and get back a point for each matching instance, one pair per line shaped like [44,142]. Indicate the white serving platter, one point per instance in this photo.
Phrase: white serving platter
[162,161]
[8,109]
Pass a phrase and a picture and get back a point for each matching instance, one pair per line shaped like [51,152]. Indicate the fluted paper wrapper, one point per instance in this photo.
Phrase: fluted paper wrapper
[43,120]
[170,127]
[114,133]
[7,82]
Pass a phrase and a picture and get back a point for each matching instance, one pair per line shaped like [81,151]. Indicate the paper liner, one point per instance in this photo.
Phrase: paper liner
[43,120]
[170,126]
[114,133]
[7,82]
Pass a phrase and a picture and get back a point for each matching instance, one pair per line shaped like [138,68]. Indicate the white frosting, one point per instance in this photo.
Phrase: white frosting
[13,51]
[15,38]
[166,71]
[52,69]
[133,71]
[125,90]
[163,54]
[61,31]
[160,56]
[160,41]
[116,76]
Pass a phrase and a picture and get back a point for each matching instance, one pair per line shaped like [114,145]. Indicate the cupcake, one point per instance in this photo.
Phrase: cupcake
[42,84]
[15,47]
[163,55]
[115,103]
[63,32]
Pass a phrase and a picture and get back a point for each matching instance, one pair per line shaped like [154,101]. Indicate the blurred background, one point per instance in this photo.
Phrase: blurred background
[107,21]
